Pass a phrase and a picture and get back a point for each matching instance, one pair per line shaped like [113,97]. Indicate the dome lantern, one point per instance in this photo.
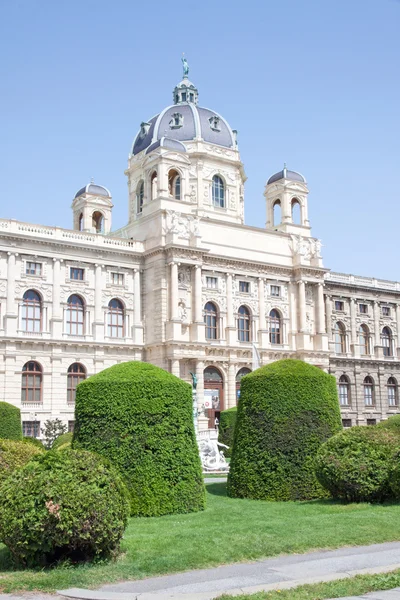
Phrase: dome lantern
[185,91]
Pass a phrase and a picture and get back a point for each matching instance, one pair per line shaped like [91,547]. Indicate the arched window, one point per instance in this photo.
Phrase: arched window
[368,391]
[139,196]
[98,221]
[392,392]
[275,327]
[386,339]
[211,321]
[239,376]
[344,390]
[76,374]
[75,317]
[80,224]
[340,338]
[243,324]
[116,319]
[31,312]
[218,192]
[296,212]
[364,338]
[153,185]
[277,210]
[174,184]
[31,388]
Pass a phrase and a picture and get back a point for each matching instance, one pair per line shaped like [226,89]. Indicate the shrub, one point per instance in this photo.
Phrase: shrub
[355,464]
[227,423]
[392,423]
[286,410]
[34,441]
[63,505]
[52,429]
[14,455]
[62,440]
[140,417]
[10,422]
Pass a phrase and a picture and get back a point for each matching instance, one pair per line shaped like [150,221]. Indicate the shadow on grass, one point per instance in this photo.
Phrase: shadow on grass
[216,489]
[6,561]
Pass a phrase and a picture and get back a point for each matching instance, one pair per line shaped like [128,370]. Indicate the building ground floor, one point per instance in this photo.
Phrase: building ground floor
[40,377]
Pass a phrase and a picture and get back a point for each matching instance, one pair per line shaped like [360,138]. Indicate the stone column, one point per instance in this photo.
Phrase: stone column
[197,295]
[137,308]
[353,333]
[229,307]
[57,317]
[175,367]
[302,307]
[263,340]
[377,315]
[398,324]
[321,308]
[98,323]
[231,396]
[174,292]
[328,308]
[11,316]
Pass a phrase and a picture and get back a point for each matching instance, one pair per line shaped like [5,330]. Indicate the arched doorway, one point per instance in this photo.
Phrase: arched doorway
[243,371]
[213,394]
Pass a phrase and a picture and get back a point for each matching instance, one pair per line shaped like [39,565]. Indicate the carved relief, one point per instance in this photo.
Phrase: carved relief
[182,225]
[305,247]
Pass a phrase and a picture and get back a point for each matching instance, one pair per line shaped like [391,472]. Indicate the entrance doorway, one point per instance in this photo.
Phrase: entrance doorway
[243,371]
[213,394]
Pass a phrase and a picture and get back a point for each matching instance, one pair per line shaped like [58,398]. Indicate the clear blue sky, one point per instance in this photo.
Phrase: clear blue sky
[311,83]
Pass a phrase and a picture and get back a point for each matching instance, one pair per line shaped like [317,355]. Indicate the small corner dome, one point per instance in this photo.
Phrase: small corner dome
[286,174]
[94,190]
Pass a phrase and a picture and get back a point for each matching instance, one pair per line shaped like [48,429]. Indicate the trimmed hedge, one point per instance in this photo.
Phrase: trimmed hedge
[63,505]
[140,417]
[14,455]
[10,422]
[62,440]
[34,441]
[392,423]
[286,410]
[355,465]
[227,422]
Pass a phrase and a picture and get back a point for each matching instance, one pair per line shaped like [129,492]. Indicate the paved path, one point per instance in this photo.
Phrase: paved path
[274,573]
[388,595]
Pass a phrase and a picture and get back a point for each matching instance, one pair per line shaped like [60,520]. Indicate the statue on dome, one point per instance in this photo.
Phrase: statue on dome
[185,66]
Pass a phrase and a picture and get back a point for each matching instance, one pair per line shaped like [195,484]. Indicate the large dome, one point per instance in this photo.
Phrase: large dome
[184,121]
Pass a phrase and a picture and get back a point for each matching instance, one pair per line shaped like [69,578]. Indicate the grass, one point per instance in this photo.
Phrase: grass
[354,586]
[228,531]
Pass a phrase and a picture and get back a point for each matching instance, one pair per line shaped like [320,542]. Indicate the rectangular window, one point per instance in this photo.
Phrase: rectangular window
[33,268]
[212,282]
[244,287]
[71,425]
[346,422]
[117,278]
[339,305]
[31,428]
[363,308]
[386,311]
[371,421]
[77,274]
[276,290]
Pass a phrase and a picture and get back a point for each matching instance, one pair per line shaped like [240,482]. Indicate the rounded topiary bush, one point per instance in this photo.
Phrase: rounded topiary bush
[64,440]
[70,504]
[227,422]
[392,424]
[14,455]
[355,465]
[10,422]
[34,442]
[286,410]
[140,417]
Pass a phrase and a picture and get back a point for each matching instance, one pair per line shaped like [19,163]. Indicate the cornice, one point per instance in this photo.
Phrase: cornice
[353,288]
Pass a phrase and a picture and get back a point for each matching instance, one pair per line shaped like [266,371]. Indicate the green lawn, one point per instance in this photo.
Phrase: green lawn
[354,586]
[227,531]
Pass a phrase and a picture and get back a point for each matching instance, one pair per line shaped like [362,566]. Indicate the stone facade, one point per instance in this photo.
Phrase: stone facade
[186,285]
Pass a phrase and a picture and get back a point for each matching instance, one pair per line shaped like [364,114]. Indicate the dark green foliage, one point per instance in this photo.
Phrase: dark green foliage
[355,465]
[10,422]
[286,410]
[392,423]
[227,422]
[52,429]
[61,440]
[14,455]
[62,505]
[34,441]
[140,417]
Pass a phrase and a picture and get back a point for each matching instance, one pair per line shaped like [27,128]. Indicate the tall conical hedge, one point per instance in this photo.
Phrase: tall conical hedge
[286,410]
[10,422]
[140,417]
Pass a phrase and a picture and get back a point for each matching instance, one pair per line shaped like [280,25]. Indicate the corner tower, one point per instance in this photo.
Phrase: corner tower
[286,195]
[92,208]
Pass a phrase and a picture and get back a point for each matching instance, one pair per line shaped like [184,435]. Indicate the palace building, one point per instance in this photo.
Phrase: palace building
[186,285]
